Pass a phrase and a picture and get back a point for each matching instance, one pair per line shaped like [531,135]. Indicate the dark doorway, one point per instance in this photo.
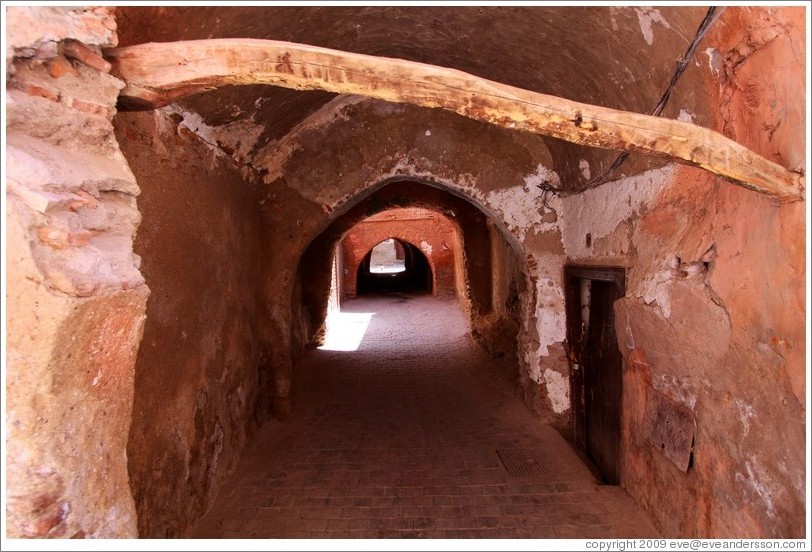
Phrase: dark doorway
[596,363]
[408,271]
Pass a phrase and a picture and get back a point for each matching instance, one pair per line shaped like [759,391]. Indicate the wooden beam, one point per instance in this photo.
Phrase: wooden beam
[157,74]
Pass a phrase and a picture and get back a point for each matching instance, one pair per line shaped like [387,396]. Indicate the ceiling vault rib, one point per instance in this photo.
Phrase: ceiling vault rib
[157,74]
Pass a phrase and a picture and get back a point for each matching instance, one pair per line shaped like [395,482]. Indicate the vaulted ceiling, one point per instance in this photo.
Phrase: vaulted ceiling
[621,58]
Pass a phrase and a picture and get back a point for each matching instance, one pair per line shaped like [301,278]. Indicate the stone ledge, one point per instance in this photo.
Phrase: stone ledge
[59,124]
[37,165]
[33,31]
[83,88]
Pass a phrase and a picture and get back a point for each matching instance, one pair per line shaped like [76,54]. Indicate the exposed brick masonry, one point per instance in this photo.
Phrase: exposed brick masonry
[434,234]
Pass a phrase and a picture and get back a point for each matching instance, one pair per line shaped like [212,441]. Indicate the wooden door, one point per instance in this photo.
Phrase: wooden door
[596,375]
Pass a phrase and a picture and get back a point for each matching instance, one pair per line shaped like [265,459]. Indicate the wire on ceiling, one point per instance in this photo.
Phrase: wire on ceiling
[682,63]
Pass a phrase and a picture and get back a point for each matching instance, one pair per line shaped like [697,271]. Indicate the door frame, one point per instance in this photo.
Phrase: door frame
[573,274]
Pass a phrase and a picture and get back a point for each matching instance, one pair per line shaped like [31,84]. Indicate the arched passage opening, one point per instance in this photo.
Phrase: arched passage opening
[388,256]
[394,266]
[403,235]
[488,278]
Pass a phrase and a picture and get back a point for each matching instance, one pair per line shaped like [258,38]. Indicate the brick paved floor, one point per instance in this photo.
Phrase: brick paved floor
[399,439]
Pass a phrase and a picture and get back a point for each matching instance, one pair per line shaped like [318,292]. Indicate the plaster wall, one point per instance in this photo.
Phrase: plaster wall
[197,371]
[712,322]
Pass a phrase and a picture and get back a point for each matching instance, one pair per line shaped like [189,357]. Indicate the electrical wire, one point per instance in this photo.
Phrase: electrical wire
[711,16]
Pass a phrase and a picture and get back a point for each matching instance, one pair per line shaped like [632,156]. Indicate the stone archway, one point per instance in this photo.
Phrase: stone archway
[494,284]
[498,173]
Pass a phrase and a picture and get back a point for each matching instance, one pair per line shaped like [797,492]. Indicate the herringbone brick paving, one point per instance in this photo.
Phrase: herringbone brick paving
[399,438]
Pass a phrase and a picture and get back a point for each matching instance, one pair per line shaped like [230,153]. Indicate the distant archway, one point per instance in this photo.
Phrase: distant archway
[376,273]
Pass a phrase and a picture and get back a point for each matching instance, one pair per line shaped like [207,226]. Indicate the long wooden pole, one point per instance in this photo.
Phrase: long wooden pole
[159,73]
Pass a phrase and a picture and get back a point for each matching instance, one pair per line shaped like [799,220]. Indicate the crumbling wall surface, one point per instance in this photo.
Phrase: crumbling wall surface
[38,31]
[498,331]
[75,296]
[196,373]
[431,232]
[713,321]
[758,53]
[712,325]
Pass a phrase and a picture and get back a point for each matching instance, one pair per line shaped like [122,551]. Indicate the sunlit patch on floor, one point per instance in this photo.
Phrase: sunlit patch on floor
[346,330]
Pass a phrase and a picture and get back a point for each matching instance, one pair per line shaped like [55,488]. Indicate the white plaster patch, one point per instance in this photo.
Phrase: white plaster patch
[685,116]
[583,164]
[551,329]
[558,390]
[543,175]
[533,368]
[426,247]
[600,210]
[550,323]
[654,290]
[646,16]
[193,122]
[240,137]
[759,481]
[521,207]
[682,390]
[428,133]
[745,414]
[612,12]
[715,60]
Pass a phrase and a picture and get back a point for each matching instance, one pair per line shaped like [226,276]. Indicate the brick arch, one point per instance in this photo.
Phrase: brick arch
[469,220]
[432,233]
[418,276]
